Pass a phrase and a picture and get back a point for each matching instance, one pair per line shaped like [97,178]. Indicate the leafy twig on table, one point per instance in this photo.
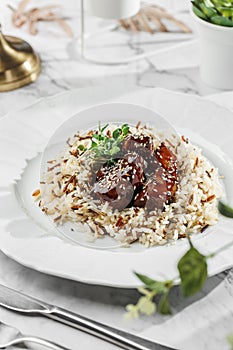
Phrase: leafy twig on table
[193,272]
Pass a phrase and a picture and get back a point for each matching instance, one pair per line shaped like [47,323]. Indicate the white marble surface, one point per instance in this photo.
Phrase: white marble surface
[63,70]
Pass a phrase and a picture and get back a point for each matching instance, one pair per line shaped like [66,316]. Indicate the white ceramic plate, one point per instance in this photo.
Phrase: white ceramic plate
[29,237]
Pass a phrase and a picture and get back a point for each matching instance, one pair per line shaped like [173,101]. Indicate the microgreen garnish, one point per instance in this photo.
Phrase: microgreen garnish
[81,148]
[106,145]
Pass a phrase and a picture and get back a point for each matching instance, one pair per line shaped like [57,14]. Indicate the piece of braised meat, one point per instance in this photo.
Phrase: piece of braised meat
[159,190]
[161,187]
[102,172]
[139,144]
[133,157]
[137,172]
[167,159]
[156,192]
[117,183]
[119,192]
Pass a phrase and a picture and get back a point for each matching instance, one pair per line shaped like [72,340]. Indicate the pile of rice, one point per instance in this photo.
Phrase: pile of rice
[65,195]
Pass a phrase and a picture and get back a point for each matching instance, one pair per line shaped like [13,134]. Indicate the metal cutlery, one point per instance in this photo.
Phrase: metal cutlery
[16,301]
[10,336]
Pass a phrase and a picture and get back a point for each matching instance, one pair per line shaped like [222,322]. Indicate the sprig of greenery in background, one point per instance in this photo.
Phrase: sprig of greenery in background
[193,272]
[230,340]
[225,210]
[218,12]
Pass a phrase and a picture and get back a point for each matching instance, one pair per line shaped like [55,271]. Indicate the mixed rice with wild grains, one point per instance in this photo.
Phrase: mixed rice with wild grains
[67,188]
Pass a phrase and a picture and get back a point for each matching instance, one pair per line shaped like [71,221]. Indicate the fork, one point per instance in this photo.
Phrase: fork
[23,339]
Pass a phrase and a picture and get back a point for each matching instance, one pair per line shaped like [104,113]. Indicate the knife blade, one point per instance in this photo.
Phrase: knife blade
[24,304]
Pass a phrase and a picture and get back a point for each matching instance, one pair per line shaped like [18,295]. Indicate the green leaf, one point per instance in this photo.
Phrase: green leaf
[114,150]
[125,129]
[104,127]
[145,279]
[230,340]
[164,307]
[93,144]
[98,137]
[116,133]
[225,209]
[159,287]
[81,147]
[95,136]
[193,271]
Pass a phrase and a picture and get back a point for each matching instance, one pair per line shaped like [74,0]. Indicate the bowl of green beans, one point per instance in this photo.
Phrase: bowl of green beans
[214,21]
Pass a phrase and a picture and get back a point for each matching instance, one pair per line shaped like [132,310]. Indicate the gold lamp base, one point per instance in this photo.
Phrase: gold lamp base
[19,64]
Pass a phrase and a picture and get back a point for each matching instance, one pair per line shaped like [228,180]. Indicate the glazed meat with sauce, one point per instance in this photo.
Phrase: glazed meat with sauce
[142,177]
[140,144]
[167,159]
[137,172]
[158,190]
[117,183]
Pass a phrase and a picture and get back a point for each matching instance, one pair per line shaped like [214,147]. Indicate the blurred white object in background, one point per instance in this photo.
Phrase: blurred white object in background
[117,10]
[113,9]
[216,48]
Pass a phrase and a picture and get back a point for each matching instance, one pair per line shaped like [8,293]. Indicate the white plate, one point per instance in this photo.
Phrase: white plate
[28,236]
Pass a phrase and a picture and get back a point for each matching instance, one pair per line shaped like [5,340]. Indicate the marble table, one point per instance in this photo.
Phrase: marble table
[63,70]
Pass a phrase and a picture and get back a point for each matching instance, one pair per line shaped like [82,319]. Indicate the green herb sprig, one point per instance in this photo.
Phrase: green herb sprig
[193,273]
[106,146]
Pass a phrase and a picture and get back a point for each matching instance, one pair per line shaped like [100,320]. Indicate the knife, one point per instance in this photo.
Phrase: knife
[24,304]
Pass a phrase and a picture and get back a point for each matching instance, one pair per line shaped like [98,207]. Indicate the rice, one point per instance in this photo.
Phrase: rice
[66,196]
